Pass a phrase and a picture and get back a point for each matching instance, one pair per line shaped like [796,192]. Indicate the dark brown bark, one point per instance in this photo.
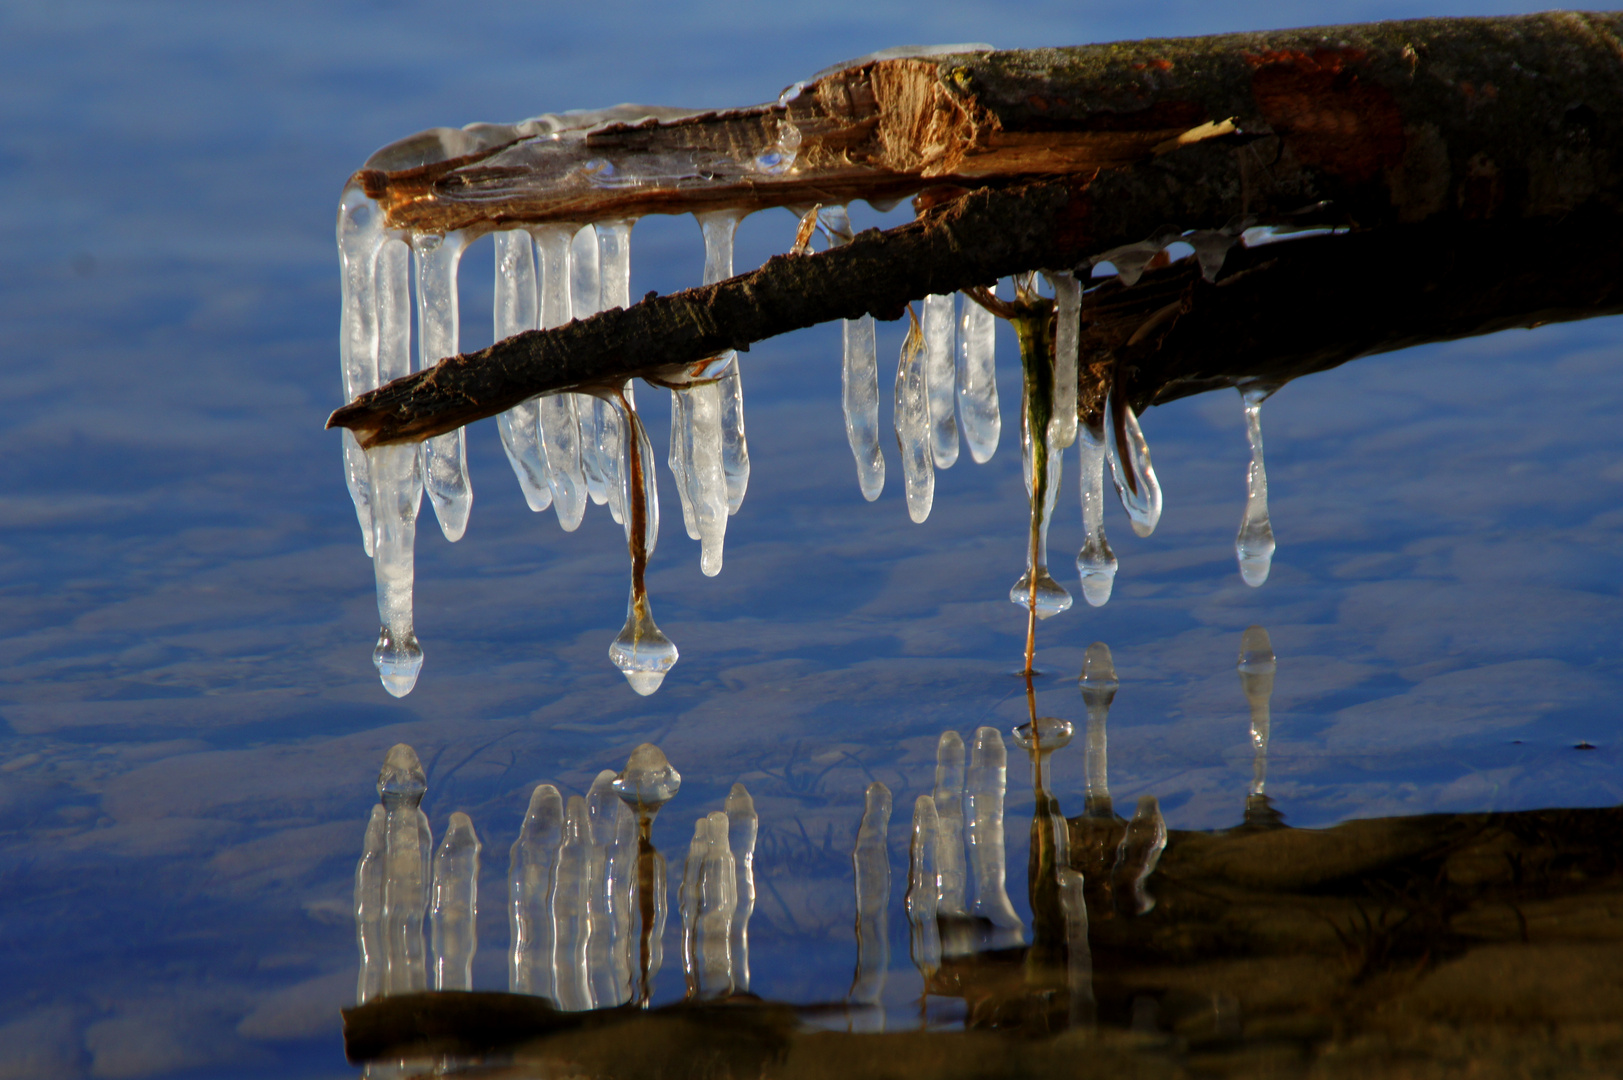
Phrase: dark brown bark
[1446,123]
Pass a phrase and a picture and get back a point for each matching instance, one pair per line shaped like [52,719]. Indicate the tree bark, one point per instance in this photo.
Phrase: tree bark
[1047,159]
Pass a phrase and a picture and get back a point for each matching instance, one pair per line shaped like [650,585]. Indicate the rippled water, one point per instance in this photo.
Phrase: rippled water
[192,726]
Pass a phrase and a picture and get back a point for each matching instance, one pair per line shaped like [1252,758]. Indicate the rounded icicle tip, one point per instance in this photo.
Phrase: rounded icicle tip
[398,662]
[648,781]
[402,775]
[1098,667]
[1048,733]
[1256,652]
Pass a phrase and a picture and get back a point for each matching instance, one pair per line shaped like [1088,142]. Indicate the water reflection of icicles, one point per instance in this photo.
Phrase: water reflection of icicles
[529,893]
[1099,684]
[871,862]
[949,806]
[408,844]
[709,899]
[1130,469]
[1137,857]
[923,888]
[455,937]
[1254,544]
[1257,667]
[986,781]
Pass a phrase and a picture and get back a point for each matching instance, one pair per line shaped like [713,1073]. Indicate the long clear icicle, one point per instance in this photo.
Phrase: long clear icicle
[408,846]
[360,236]
[559,420]
[719,228]
[614,276]
[1051,597]
[1067,337]
[529,893]
[871,862]
[912,420]
[1095,562]
[369,875]
[859,378]
[445,457]
[977,381]
[742,827]
[456,903]
[1254,545]
[707,483]
[949,805]
[571,913]
[515,311]
[940,375]
[397,487]
[923,888]
[986,781]
[586,300]
[1130,468]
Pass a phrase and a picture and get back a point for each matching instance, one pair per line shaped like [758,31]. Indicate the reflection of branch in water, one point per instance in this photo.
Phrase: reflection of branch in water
[871,862]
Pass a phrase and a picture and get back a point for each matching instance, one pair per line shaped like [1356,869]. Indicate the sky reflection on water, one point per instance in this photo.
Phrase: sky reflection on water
[191,720]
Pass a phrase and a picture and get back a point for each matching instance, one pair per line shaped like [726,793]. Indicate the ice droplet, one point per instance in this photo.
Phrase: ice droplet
[912,420]
[1047,734]
[1130,468]
[648,781]
[642,652]
[1254,544]
[1095,562]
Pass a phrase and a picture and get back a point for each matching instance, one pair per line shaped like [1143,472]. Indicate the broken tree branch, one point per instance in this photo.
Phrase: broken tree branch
[1456,125]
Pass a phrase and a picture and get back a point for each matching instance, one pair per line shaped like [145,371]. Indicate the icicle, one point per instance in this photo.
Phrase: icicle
[515,312]
[585,300]
[559,419]
[397,488]
[1079,955]
[707,483]
[571,916]
[718,902]
[977,381]
[1099,685]
[949,805]
[871,862]
[1254,545]
[719,228]
[1257,666]
[614,270]
[859,378]
[445,457]
[1130,468]
[646,784]
[1095,562]
[742,827]
[923,889]
[912,420]
[1067,335]
[1041,461]
[1131,260]
[360,236]
[456,903]
[603,812]
[985,784]
[529,893]
[623,887]
[678,460]
[1137,857]
[940,339]
[1211,250]
[408,845]
[369,876]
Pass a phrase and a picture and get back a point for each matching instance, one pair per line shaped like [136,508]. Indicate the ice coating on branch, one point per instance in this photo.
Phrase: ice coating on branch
[1257,667]
[456,901]
[1067,336]
[1095,561]
[642,652]
[1137,857]
[940,375]
[1099,686]
[719,228]
[515,310]
[369,935]
[571,913]
[859,377]
[900,52]
[1254,544]
[949,805]
[985,783]
[445,457]
[1050,596]
[912,420]
[923,888]
[1211,249]
[1130,260]
[360,236]
[529,893]
[742,828]
[408,846]
[1078,953]
[559,419]
[648,781]
[871,862]
[1130,468]
[977,381]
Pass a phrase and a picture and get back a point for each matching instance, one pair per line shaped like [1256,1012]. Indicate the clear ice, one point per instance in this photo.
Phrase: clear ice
[585,300]
[612,857]
[646,784]
[1099,685]
[360,236]
[871,862]
[742,828]
[571,913]
[369,876]
[529,893]
[978,415]
[1254,545]
[1137,857]
[648,781]
[949,805]
[515,311]
[614,273]
[1095,562]
[1130,468]
[1079,954]
[985,783]
[719,228]
[1050,596]
[913,428]
[1067,336]
[709,899]
[642,652]
[558,413]
[1257,667]
[408,846]
[445,457]
[940,341]
[456,903]
[859,378]
[923,888]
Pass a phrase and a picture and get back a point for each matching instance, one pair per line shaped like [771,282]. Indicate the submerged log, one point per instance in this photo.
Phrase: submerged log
[1046,159]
